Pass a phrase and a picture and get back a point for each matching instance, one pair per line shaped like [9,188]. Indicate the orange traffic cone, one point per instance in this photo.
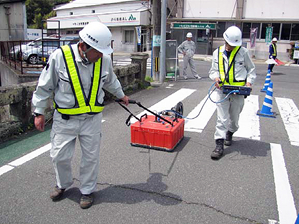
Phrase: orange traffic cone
[267,105]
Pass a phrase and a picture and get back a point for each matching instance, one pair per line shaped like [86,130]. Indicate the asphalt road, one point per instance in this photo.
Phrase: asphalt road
[138,185]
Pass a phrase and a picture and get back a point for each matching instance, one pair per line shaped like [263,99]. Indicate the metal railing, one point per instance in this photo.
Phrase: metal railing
[27,55]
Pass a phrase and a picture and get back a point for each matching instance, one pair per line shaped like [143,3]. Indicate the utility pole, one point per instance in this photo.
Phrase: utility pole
[163,42]
[156,20]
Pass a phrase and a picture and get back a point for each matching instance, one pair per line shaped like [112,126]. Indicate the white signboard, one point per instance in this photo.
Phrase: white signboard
[296,54]
[110,20]
[32,34]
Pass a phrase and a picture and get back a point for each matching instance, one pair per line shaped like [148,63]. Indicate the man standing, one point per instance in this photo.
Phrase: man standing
[77,75]
[272,54]
[231,65]
[188,49]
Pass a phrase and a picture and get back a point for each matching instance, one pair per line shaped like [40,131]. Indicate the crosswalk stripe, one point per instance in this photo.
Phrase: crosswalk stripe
[284,197]
[289,114]
[168,102]
[199,123]
[249,125]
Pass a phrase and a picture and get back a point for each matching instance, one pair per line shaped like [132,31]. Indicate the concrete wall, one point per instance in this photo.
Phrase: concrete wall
[209,9]
[253,9]
[271,9]
[14,25]
[9,76]
[118,36]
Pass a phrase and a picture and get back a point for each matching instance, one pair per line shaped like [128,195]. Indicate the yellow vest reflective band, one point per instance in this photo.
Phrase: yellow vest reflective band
[274,50]
[82,104]
[229,77]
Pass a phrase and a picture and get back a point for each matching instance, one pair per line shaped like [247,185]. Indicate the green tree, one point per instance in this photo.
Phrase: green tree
[38,10]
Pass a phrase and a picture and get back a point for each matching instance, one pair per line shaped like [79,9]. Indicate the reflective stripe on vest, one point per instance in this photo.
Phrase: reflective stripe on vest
[228,79]
[82,104]
[274,50]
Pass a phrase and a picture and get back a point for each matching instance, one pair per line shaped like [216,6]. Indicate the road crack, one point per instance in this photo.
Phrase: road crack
[181,201]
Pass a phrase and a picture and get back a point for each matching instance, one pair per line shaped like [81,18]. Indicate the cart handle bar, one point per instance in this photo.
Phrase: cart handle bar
[140,105]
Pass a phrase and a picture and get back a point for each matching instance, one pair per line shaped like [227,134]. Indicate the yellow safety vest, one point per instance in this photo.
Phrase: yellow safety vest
[229,77]
[274,49]
[83,105]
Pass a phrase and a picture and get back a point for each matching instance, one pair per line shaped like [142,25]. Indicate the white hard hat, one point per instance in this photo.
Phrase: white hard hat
[233,36]
[189,35]
[98,36]
[274,39]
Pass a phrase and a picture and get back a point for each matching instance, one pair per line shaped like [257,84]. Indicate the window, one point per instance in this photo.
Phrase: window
[129,36]
[93,11]
[295,31]
[246,30]
[276,30]
[285,31]
[71,13]
[220,31]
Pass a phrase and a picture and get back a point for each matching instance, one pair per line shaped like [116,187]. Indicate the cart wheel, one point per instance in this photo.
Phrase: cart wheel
[179,110]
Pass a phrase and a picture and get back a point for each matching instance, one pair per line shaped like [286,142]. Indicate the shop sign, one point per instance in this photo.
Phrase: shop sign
[123,18]
[198,26]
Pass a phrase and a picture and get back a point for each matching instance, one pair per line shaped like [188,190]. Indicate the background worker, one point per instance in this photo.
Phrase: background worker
[272,54]
[231,65]
[77,75]
[187,48]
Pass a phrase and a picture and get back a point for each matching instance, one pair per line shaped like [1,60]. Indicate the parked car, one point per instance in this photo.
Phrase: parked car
[15,51]
[30,55]
[44,55]
[40,52]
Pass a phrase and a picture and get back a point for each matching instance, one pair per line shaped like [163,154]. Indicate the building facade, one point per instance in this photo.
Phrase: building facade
[13,24]
[252,16]
[129,21]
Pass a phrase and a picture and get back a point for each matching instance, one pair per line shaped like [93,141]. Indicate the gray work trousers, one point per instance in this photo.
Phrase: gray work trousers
[63,138]
[228,113]
[190,61]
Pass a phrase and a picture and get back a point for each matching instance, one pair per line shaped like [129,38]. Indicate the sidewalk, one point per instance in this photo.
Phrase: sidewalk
[202,57]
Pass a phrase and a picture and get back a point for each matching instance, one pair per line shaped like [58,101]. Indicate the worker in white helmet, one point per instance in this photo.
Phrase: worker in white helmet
[187,48]
[77,75]
[272,54]
[231,65]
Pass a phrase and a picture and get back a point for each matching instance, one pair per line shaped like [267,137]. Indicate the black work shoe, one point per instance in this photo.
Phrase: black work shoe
[86,201]
[56,195]
[218,151]
[229,138]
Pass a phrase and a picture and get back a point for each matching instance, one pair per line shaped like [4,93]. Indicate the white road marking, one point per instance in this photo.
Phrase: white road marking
[249,123]
[285,201]
[290,116]
[26,158]
[168,102]
[199,123]
[5,168]
[30,156]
